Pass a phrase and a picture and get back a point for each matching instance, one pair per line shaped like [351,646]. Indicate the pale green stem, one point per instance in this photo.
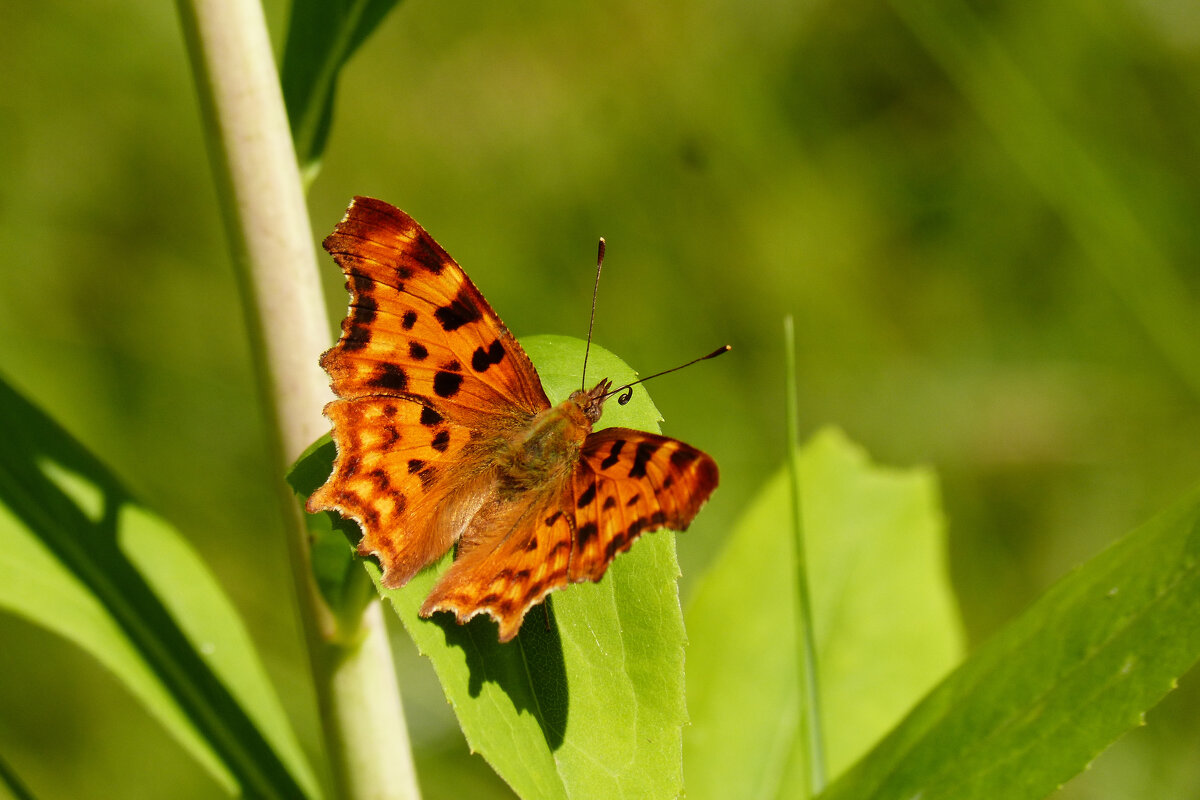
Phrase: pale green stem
[262,201]
[806,647]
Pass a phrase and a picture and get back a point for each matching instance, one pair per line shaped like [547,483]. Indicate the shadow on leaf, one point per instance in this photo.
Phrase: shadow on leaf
[530,669]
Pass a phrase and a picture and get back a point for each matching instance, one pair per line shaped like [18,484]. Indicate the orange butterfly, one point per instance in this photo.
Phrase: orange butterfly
[445,436]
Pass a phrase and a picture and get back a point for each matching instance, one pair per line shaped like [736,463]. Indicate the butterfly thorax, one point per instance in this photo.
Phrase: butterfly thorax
[544,453]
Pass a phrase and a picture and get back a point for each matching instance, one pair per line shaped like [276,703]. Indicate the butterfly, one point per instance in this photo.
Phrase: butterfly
[445,438]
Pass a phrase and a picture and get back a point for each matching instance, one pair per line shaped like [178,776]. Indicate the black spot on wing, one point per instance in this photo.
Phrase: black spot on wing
[357,338]
[428,255]
[447,384]
[613,453]
[441,441]
[642,456]
[614,546]
[610,502]
[429,417]
[365,309]
[460,311]
[683,456]
[408,320]
[482,359]
[415,465]
[587,532]
[427,475]
[589,495]
[418,351]
[382,483]
[389,377]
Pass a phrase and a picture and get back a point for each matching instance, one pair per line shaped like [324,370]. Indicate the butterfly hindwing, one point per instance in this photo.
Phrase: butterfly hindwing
[629,482]
[401,471]
[418,326]
[519,553]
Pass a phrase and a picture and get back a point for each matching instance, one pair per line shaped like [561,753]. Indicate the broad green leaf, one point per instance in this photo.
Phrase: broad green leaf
[884,617]
[79,557]
[1043,697]
[587,700]
[321,37]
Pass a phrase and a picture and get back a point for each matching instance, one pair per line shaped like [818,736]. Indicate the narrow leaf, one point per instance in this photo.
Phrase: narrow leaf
[884,618]
[321,37]
[587,700]
[12,783]
[1042,698]
[79,557]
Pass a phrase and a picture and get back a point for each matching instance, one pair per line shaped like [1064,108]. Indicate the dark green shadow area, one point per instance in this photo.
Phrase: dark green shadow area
[530,669]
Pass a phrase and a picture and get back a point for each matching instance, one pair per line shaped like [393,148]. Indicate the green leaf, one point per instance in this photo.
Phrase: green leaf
[559,361]
[1043,697]
[344,586]
[587,701]
[884,617]
[12,783]
[79,557]
[322,36]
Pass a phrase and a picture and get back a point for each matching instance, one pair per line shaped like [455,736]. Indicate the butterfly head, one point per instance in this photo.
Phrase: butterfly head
[591,402]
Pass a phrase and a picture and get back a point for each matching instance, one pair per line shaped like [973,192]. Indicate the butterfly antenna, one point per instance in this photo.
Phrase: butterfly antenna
[627,389]
[592,321]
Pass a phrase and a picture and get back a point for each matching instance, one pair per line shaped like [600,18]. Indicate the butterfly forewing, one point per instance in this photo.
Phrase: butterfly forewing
[418,326]
[628,483]
[423,367]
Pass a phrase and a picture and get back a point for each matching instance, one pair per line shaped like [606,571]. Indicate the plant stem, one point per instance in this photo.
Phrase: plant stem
[806,648]
[262,202]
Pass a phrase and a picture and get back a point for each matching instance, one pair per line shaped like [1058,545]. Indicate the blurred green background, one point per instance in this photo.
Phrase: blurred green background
[983,215]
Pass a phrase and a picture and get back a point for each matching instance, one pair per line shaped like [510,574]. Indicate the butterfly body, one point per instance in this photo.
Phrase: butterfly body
[446,438]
